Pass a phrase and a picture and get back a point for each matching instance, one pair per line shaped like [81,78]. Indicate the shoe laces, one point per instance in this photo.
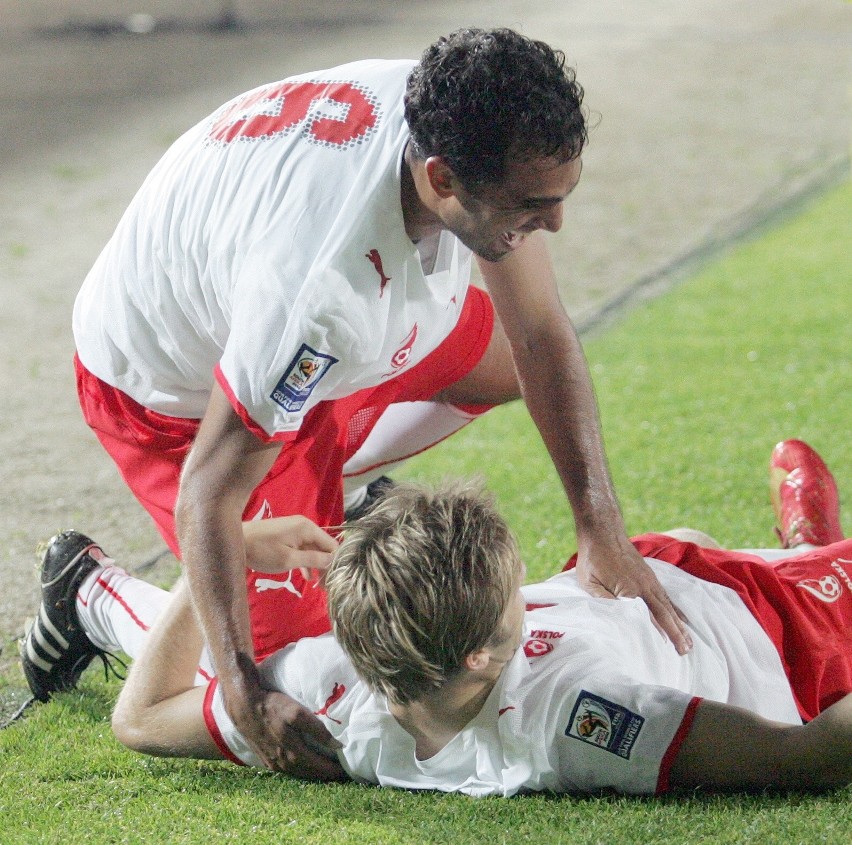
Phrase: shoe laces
[110,660]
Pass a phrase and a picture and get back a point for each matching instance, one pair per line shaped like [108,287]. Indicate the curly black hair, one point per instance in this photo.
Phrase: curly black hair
[479,98]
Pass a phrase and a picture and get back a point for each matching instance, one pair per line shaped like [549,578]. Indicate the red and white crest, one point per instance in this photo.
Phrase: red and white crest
[402,357]
[827,588]
[537,648]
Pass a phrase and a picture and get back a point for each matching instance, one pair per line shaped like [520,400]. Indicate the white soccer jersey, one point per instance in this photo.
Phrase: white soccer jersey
[268,245]
[594,699]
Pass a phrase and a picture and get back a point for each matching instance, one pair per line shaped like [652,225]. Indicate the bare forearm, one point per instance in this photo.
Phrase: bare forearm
[211,539]
[729,748]
[566,414]
[819,755]
[555,380]
[159,710]
[222,469]
[557,388]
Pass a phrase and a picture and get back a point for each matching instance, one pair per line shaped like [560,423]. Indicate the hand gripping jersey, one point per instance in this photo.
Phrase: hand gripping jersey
[267,249]
[595,698]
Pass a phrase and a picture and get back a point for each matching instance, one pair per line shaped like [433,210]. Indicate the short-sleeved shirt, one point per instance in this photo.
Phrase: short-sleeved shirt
[594,699]
[267,250]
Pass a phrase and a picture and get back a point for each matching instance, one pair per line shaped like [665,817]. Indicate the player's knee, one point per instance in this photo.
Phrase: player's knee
[693,535]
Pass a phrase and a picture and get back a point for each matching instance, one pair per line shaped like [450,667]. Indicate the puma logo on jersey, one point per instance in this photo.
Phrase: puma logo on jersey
[264,584]
[265,511]
[376,261]
[336,694]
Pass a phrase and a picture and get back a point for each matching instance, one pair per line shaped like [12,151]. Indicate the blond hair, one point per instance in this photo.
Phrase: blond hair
[418,584]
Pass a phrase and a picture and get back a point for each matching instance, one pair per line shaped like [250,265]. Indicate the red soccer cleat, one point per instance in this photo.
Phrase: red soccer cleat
[804,496]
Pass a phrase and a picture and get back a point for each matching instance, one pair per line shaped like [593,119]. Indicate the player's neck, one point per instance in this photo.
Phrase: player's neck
[420,220]
[436,718]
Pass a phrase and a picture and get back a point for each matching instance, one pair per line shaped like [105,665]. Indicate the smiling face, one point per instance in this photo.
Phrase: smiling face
[494,220]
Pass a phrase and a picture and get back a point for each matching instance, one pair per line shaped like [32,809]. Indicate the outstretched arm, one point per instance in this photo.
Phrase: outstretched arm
[557,388]
[733,749]
[159,710]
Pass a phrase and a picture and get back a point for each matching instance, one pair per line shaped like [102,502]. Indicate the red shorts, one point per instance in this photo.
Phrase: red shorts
[804,603]
[149,450]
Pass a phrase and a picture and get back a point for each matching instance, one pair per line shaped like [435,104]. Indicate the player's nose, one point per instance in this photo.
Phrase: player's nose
[551,219]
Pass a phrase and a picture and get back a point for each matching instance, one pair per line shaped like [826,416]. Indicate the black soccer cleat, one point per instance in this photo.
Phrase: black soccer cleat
[376,491]
[56,650]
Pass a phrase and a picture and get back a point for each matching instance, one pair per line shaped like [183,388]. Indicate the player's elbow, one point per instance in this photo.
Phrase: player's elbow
[128,727]
[732,749]
[818,756]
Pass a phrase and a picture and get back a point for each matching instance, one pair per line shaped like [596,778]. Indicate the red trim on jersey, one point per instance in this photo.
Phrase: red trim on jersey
[473,410]
[243,414]
[670,756]
[213,728]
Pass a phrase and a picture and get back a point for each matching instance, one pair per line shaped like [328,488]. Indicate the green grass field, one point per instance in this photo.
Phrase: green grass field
[695,389]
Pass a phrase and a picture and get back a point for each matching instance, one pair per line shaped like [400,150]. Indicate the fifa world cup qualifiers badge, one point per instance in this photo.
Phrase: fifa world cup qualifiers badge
[301,377]
[602,723]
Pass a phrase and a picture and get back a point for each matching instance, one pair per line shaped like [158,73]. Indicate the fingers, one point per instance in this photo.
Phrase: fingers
[288,542]
[300,760]
[308,559]
[593,588]
[627,575]
[290,739]
[314,537]
[669,620]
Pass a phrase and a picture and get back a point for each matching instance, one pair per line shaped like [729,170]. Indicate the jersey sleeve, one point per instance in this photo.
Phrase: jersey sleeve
[289,346]
[620,735]
[313,671]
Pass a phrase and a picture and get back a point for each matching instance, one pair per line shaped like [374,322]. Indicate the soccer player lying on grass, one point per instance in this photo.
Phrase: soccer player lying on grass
[445,673]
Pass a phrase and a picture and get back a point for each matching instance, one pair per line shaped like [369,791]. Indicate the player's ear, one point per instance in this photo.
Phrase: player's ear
[442,180]
[476,661]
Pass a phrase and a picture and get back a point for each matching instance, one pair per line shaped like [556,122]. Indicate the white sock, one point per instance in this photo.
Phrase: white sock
[771,555]
[116,610]
[405,429]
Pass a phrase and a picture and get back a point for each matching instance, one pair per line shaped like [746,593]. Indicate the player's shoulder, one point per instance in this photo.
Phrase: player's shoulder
[323,652]
[378,80]
[378,68]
